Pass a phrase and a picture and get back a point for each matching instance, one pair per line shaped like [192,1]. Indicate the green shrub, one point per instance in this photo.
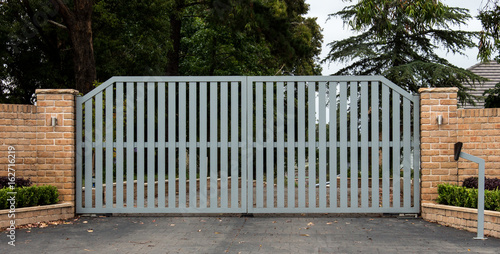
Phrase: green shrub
[29,196]
[467,197]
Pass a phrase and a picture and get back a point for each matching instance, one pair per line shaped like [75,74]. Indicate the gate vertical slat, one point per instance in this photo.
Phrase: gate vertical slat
[343,144]
[301,155]
[364,144]
[333,144]
[88,153]
[192,144]
[259,139]
[141,99]
[130,144]
[109,146]
[119,145]
[385,146]
[354,143]
[172,126]
[234,144]
[406,153]
[98,151]
[250,145]
[203,145]
[151,165]
[223,141]
[416,152]
[312,142]
[213,144]
[269,144]
[182,144]
[161,144]
[322,144]
[79,152]
[280,189]
[396,149]
[245,153]
[290,99]
[375,120]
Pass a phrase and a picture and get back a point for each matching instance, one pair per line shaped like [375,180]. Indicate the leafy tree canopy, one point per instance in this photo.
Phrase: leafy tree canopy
[489,45]
[191,37]
[398,39]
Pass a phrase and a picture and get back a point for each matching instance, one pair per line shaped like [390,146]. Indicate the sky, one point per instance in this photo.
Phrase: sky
[334,29]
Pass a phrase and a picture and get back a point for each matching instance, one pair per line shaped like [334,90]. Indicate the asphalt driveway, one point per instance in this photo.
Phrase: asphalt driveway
[285,234]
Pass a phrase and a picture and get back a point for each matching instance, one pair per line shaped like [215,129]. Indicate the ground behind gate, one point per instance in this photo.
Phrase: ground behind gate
[286,234]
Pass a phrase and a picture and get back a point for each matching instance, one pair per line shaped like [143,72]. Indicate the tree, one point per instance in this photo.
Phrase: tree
[398,40]
[33,50]
[489,45]
[246,37]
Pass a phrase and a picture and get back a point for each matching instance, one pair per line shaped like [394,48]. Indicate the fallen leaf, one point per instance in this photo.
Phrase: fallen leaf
[85,222]
[90,230]
[347,223]
[172,225]
[274,221]
[203,221]
[328,223]
[217,233]
[304,235]
[87,250]
[154,220]
[310,224]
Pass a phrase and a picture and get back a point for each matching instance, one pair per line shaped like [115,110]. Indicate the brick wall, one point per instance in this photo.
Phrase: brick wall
[44,153]
[478,129]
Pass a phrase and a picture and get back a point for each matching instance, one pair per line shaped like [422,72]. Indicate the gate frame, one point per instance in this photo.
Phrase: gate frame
[248,191]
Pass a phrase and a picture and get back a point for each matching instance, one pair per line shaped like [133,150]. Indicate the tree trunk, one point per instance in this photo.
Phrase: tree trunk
[83,50]
[173,56]
[79,24]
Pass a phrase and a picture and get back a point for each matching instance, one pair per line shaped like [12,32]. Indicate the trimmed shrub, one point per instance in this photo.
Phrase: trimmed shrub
[19,182]
[489,183]
[467,197]
[29,196]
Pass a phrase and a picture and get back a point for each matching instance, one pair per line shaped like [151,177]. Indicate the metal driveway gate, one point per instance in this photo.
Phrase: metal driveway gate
[247,145]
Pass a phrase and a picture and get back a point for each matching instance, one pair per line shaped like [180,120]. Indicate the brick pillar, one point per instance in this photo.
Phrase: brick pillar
[56,144]
[437,141]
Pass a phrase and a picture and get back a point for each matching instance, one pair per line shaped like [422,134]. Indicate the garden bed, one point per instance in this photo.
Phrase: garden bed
[462,218]
[34,214]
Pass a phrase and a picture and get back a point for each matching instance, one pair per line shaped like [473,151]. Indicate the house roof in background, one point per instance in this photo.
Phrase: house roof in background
[491,71]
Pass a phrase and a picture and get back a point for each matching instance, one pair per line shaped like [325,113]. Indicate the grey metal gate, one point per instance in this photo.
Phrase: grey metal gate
[247,145]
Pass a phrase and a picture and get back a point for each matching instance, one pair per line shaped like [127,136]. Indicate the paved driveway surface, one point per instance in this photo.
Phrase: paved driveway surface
[247,235]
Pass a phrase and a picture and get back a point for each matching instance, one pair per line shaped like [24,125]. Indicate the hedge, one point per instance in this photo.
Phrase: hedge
[29,196]
[467,197]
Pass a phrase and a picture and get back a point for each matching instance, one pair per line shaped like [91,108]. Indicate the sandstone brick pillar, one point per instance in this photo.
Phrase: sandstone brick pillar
[55,145]
[437,141]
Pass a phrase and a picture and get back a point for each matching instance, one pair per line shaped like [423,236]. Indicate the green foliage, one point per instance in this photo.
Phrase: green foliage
[489,40]
[29,196]
[467,197]
[33,51]
[492,97]
[135,38]
[250,38]
[398,40]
